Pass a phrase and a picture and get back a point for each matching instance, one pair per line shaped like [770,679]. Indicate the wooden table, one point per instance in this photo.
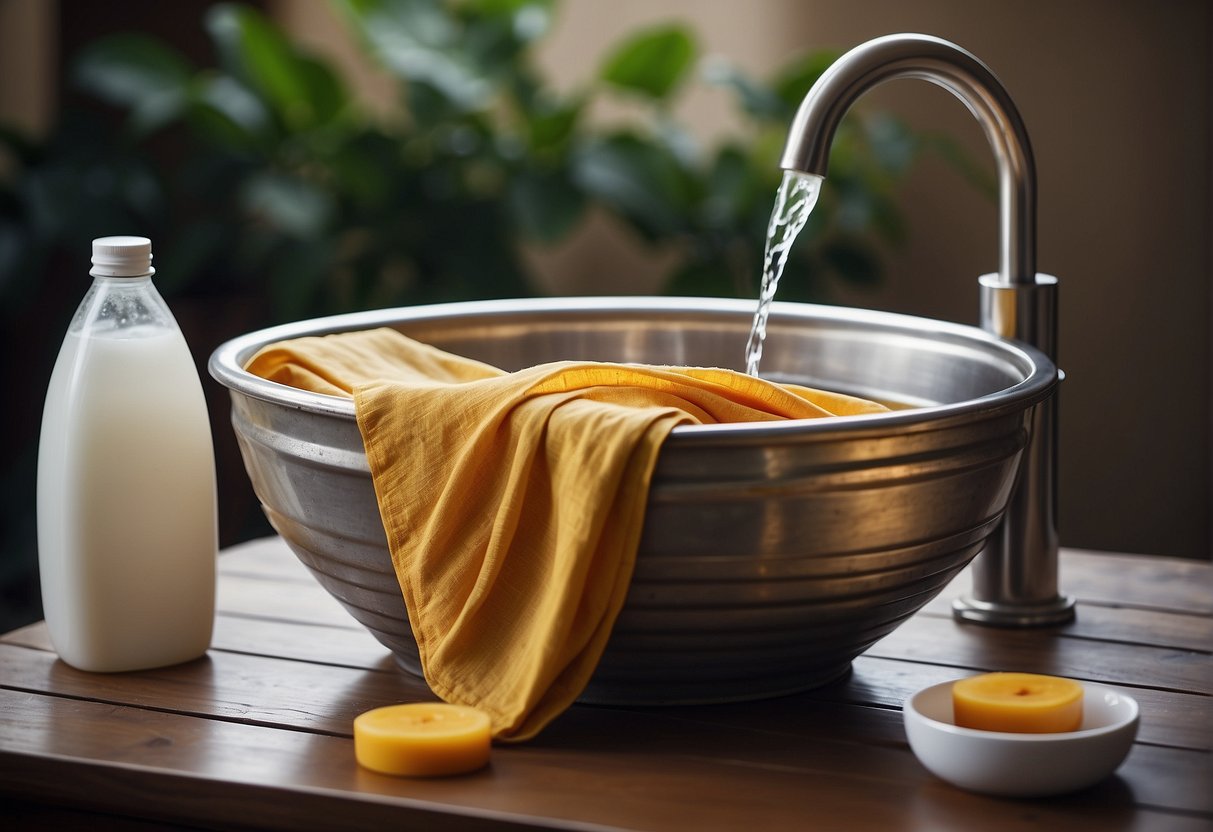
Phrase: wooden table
[257,734]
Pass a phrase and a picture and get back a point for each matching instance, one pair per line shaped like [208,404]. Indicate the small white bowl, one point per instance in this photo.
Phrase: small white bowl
[1022,765]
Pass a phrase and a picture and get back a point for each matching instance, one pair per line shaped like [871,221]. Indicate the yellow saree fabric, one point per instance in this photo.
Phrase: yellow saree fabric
[513,502]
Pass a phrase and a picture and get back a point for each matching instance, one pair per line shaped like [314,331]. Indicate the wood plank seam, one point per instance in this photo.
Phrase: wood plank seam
[252,616]
[117,703]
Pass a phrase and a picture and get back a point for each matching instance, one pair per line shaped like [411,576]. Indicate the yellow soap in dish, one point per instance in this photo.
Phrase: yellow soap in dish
[1019,703]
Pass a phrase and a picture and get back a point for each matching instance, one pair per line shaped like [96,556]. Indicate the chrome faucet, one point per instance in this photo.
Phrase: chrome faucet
[1015,576]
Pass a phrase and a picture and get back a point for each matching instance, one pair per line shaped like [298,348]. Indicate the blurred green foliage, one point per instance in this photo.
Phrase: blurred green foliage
[272,193]
[284,187]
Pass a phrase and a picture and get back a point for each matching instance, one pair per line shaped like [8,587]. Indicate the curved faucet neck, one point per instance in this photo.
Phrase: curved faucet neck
[953,68]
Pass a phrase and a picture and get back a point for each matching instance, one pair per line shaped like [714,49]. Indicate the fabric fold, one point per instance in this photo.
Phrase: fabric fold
[513,503]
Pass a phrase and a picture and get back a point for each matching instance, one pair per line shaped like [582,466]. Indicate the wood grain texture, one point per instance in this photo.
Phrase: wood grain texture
[258,733]
[586,772]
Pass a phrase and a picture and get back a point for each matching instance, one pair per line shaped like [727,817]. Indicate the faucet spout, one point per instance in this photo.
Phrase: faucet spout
[1015,576]
[958,71]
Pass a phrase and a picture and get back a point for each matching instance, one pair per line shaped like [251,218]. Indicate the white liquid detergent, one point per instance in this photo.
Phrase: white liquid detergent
[126,488]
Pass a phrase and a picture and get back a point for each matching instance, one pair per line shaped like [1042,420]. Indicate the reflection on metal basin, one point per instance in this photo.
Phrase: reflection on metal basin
[772,554]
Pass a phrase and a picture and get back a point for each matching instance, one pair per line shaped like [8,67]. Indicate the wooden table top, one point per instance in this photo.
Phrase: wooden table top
[258,733]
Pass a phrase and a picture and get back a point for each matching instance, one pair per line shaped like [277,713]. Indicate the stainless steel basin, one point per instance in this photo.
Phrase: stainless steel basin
[772,554]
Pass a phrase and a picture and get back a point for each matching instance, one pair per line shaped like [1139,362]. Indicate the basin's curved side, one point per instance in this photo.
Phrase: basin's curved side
[773,580]
[771,554]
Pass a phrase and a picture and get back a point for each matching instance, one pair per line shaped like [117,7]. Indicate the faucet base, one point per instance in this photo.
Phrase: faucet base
[1059,610]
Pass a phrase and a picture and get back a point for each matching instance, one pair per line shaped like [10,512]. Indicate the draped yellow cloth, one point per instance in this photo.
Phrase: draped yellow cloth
[513,502]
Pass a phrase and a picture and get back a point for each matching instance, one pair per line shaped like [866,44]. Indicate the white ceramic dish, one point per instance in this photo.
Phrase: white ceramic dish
[1022,765]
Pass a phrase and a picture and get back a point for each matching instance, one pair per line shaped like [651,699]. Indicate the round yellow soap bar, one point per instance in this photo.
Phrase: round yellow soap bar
[1020,703]
[422,739]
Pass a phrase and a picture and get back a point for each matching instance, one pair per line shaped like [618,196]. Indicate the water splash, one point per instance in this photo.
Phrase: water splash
[797,195]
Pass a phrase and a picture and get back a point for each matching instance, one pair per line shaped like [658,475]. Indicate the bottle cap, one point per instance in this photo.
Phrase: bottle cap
[122,257]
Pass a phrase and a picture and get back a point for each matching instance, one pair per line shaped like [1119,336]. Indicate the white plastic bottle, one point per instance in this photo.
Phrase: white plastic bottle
[126,479]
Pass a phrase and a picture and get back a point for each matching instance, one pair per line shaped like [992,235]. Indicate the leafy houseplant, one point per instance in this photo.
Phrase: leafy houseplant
[285,187]
[262,177]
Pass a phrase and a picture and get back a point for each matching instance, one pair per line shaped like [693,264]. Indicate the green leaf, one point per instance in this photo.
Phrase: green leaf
[794,81]
[546,205]
[420,42]
[730,188]
[302,90]
[892,143]
[855,206]
[138,73]
[887,219]
[678,140]
[512,9]
[532,20]
[289,204]
[228,113]
[494,35]
[640,180]
[551,124]
[759,101]
[652,63]
[327,97]
[366,170]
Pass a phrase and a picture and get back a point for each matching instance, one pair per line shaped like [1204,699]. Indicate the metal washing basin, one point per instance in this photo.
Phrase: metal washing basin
[772,553]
